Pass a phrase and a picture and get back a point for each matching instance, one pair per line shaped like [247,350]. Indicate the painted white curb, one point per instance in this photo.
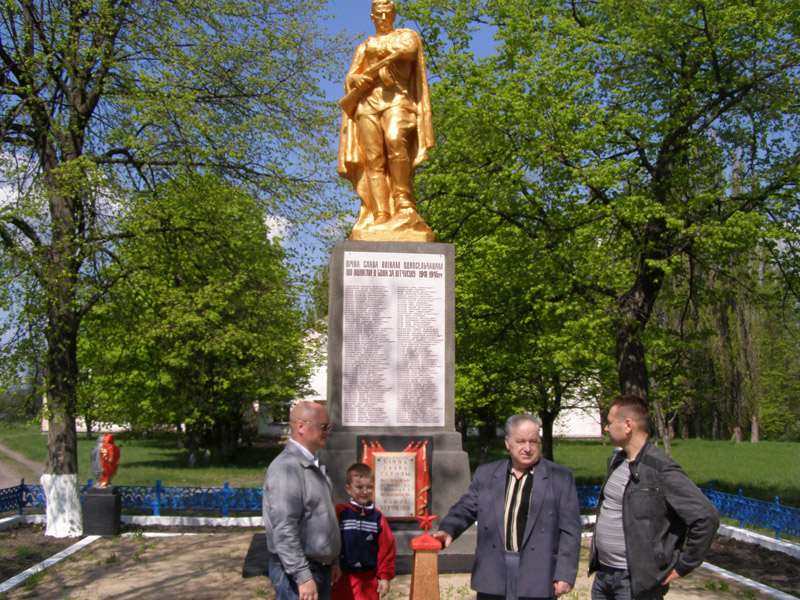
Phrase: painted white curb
[17,579]
[162,534]
[195,521]
[151,520]
[764,589]
[753,537]
[7,522]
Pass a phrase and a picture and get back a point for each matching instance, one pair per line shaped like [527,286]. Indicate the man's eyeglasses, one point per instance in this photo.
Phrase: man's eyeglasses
[322,426]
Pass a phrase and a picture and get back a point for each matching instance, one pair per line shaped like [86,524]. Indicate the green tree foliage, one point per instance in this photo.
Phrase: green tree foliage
[317,303]
[610,129]
[19,404]
[524,342]
[724,355]
[203,324]
[779,349]
[102,98]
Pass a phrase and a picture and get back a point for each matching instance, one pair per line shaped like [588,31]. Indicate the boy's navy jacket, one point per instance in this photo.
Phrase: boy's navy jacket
[367,541]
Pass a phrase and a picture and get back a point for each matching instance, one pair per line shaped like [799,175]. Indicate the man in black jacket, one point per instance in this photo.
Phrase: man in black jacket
[653,524]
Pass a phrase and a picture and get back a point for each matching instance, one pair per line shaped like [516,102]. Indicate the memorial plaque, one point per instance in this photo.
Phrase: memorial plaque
[385,317]
[393,347]
[395,484]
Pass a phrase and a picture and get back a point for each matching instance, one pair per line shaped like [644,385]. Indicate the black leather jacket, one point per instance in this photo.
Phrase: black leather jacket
[668,522]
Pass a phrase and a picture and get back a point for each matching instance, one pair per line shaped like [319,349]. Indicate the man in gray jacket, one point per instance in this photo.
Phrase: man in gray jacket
[653,524]
[302,531]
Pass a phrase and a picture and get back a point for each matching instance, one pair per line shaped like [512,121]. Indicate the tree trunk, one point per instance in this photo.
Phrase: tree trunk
[193,445]
[662,427]
[179,431]
[635,307]
[715,423]
[546,434]
[224,441]
[755,431]
[61,470]
[631,364]
[487,433]
[462,426]
[603,421]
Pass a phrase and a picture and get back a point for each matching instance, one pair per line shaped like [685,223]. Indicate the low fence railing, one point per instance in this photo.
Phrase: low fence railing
[768,515]
[150,498]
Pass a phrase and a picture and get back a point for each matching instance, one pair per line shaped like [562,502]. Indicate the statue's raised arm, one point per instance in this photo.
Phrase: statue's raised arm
[386,130]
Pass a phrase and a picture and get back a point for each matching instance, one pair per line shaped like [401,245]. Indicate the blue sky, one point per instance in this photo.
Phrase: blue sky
[351,17]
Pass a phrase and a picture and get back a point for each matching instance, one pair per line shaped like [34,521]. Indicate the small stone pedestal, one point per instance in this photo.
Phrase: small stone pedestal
[425,573]
[101,511]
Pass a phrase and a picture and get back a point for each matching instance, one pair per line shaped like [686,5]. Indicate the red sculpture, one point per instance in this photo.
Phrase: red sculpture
[426,541]
[109,455]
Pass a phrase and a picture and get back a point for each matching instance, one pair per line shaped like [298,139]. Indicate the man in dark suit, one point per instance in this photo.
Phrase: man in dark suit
[529,525]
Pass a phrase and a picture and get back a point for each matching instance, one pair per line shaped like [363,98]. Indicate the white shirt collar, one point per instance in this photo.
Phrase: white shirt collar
[368,506]
[312,457]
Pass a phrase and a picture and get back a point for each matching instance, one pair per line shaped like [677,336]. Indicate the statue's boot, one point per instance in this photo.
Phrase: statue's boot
[379,188]
[402,193]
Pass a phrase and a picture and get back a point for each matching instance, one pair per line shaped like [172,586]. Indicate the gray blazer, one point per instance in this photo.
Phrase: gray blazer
[552,539]
[298,514]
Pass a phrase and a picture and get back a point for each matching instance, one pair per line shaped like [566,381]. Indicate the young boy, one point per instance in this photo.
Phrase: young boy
[367,542]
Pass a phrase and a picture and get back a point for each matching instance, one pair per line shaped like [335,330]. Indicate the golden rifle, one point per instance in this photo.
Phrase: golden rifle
[350,101]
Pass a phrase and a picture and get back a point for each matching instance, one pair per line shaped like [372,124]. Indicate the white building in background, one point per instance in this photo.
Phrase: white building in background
[578,419]
[80,424]
[317,345]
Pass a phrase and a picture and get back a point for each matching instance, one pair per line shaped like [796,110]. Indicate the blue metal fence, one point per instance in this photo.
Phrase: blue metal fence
[155,498]
[769,515]
[169,497]
[588,495]
[11,498]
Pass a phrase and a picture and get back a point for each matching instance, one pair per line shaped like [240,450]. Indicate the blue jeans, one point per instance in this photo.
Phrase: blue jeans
[285,586]
[615,584]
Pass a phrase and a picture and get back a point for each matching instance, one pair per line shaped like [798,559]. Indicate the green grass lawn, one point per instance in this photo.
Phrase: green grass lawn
[24,439]
[762,470]
[144,460]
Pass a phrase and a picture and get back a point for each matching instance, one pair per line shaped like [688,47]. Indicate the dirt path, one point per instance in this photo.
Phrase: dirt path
[209,566]
[14,467]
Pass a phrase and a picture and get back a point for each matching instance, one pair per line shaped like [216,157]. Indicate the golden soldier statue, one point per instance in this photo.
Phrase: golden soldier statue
[386,130]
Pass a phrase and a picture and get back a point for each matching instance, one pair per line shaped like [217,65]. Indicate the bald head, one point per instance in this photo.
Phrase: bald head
[310,425]
[304,411]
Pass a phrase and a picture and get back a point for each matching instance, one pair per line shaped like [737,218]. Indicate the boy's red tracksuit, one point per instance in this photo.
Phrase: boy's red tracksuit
[368,552]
